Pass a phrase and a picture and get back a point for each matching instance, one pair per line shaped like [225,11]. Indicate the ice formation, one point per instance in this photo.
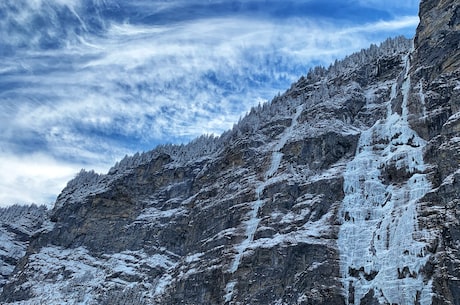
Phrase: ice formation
[381,247]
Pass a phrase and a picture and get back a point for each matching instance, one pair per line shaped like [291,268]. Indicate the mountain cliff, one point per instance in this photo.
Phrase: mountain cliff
[343,190]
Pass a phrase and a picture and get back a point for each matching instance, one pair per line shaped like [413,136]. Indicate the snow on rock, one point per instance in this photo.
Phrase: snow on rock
[17,224]
[74,274]
[253,219]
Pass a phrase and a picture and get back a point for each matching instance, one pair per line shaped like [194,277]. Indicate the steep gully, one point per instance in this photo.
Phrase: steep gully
[253,219]
[382,250]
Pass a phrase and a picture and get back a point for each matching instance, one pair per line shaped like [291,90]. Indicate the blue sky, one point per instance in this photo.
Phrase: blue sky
[85,82]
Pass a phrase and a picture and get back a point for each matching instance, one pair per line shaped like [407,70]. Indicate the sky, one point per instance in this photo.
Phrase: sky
[85,82]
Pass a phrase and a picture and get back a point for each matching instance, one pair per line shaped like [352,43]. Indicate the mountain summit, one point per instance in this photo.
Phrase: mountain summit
[343,190]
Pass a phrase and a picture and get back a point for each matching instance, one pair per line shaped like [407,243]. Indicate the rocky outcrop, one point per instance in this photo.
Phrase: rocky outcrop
[17,226]
[343,190]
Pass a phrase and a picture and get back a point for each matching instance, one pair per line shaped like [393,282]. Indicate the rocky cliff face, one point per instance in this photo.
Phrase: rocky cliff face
[434,107]
[344,190]
[17,226]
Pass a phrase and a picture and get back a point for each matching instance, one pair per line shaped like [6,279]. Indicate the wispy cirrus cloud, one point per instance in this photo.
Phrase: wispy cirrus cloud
[102,79]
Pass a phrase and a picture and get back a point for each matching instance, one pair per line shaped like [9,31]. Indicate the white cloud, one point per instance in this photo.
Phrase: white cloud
[384,26]
[35,178]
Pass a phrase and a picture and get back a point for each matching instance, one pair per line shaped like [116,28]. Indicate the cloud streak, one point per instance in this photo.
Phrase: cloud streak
[121,83]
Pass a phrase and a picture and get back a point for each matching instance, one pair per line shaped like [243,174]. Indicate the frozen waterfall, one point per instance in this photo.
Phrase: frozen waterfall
[381,247]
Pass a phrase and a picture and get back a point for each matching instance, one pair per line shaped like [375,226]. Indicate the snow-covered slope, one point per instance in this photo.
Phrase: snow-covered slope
[17,225]
[342,190]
